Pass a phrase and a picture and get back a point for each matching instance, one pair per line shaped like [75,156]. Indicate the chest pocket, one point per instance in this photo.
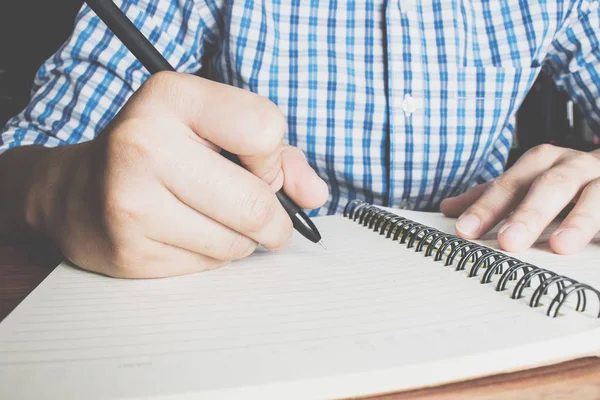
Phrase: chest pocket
[483,100]
[494,33]
[461,122]
[508,33]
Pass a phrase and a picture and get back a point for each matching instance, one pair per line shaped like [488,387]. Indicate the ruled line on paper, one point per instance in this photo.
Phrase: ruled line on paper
[368,299]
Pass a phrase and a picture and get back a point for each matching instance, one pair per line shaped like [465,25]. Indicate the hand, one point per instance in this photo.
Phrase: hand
[151,196]
[535,190]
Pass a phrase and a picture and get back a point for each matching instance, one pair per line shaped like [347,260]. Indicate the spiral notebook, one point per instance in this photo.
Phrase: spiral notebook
[396,303]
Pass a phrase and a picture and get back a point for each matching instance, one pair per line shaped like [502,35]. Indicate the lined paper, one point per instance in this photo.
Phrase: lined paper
[366,316]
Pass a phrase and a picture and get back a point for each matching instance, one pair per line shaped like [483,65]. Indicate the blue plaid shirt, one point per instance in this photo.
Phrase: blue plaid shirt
[401,102]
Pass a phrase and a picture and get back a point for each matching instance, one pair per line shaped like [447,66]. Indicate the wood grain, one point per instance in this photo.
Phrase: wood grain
[24,265]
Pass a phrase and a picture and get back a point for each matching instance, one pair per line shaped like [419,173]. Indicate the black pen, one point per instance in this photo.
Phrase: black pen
[154,62]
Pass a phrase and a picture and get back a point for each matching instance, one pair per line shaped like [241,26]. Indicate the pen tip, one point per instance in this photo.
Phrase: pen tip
[322,244]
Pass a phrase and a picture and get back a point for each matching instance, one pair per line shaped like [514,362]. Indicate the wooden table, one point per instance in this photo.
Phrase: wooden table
[23,266]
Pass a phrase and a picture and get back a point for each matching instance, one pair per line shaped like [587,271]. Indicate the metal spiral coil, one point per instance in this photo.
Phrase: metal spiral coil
[483,260]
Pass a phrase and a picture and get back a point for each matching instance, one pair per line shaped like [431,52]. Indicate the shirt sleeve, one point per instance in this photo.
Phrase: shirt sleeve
[80,89]
[574,59]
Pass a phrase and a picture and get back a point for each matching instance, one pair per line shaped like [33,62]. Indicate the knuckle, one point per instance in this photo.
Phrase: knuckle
[163,91]
[507,185]
[586,220]
[161,81]
[551,177]
[529,214]
[582,160]
[543,150]
[169,94]
[261,209]
[485,209]
[591,190]
[273,126]
[239,247]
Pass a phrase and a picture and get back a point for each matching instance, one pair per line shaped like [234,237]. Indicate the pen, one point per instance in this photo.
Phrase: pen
[154,62]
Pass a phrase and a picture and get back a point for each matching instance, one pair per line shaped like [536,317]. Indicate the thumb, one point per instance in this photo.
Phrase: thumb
[301,182]
[287,168]
[268,168]
[262,156]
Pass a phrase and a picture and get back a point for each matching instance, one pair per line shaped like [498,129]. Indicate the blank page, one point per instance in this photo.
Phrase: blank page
[366,316]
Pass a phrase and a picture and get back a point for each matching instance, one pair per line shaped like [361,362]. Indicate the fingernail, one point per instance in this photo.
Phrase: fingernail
[468,224]
[515,230]
[569,240]
[277,183]
[571,236]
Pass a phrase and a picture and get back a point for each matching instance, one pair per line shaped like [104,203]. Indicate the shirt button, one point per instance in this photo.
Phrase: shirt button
[409,105]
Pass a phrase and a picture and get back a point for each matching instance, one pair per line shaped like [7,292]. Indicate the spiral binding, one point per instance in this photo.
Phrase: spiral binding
[484,261]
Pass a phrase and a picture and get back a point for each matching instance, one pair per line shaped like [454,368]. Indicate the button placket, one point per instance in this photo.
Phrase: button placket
[408,8]
[409,105]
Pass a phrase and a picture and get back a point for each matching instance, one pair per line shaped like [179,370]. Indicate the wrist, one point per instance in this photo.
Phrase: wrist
[51,176]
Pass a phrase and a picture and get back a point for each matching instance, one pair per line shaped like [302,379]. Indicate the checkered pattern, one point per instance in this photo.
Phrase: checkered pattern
[400,102]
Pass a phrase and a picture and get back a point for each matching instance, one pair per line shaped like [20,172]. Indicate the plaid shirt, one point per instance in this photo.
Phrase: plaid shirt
[400,102]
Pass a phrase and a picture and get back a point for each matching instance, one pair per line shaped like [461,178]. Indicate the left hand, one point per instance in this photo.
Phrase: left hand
[531,194]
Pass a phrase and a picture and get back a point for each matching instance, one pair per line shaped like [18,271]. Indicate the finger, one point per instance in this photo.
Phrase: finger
[454,206]
[233,119]
[548,194]
[224,192]
[505,192]
[301,181]
[582,223]
[163,260]
[190,230]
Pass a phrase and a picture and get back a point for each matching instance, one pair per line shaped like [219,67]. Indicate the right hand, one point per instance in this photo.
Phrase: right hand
[152,196]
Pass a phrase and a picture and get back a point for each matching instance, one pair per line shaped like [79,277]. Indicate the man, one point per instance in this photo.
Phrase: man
[402,103]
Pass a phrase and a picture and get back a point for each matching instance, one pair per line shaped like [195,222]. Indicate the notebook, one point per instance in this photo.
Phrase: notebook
[376,313]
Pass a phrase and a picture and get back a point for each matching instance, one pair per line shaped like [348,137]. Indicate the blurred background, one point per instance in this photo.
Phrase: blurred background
[32,30]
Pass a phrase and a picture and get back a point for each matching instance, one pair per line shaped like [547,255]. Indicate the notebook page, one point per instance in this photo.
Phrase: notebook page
[366,316]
